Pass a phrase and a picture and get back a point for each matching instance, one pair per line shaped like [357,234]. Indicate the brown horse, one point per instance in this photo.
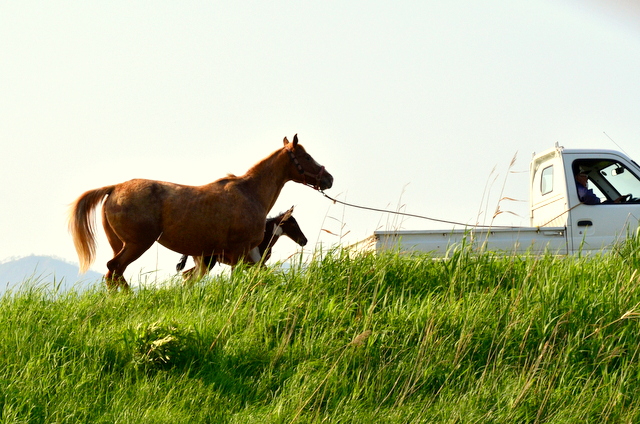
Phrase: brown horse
[282,225]
[225,217]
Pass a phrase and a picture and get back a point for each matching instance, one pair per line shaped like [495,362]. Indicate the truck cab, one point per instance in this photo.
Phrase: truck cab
[612,177]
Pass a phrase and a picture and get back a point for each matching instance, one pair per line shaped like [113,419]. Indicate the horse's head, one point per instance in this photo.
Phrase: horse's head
[307,170]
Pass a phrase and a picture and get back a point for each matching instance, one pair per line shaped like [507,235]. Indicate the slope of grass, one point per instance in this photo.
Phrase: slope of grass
[353,339]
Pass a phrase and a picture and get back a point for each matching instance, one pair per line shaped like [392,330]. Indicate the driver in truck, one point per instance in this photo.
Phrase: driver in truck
[586,195]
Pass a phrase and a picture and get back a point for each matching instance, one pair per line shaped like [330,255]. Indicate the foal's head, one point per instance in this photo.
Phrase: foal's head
[306,169]
[291,229]
[286,225]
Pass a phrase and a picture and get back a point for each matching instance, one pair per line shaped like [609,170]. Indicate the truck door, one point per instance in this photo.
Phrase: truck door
[608,208]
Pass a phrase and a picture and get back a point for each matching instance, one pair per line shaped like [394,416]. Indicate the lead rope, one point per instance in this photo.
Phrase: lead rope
[422,216]
[556,217]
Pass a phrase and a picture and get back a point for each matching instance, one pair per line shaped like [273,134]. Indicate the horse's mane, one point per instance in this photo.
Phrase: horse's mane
[260,163]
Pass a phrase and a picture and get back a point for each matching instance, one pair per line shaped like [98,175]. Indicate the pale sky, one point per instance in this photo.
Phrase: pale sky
[406,103]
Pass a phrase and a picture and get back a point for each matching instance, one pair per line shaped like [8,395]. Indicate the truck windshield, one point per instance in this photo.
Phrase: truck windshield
[610,179]
[622,180]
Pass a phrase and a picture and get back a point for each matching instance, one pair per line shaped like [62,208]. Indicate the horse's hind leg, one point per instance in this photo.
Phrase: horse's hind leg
[112,237]
[129,253]
[123,255]
[116,246]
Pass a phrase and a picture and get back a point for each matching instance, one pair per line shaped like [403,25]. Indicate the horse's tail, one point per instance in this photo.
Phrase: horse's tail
[82,224]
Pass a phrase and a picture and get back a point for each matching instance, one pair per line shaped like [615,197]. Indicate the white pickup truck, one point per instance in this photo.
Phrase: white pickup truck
[560,223]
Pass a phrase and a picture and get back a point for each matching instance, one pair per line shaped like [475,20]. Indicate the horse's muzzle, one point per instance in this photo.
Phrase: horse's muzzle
[326,181]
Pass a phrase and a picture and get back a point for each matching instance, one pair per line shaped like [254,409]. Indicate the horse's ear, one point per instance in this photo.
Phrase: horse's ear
[295,140]
[287,214]
[285,141]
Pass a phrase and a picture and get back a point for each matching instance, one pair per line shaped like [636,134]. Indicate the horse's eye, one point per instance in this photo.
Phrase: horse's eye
[307,157]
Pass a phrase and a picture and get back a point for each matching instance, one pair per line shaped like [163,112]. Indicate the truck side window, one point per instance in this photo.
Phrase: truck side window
[609,180]
[546,180]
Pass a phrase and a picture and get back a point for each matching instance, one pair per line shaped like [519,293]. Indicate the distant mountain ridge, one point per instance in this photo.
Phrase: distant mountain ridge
[44,270]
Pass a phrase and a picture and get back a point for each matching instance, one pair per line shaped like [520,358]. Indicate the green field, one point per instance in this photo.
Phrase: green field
[343,339]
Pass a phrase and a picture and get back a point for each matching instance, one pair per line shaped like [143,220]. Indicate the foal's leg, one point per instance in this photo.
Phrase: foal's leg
[210,261]
[204,264]
[182,263]
[254,256]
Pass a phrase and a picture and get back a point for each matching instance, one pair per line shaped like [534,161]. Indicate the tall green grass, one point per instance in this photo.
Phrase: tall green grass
[345,339]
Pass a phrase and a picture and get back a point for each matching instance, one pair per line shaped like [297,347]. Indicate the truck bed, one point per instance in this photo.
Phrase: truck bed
[506,240]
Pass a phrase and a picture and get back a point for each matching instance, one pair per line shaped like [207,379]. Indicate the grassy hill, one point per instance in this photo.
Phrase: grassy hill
[473,338]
